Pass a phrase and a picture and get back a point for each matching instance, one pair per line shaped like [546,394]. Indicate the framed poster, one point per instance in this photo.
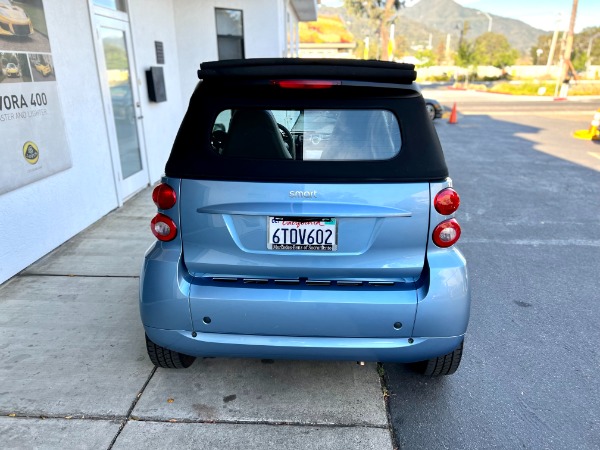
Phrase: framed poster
[33,141]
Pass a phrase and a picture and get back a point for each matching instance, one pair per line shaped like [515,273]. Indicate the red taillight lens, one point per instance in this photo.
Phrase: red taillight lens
[163,228]
[446,233]
[446,201]
[306,84]
[164,196]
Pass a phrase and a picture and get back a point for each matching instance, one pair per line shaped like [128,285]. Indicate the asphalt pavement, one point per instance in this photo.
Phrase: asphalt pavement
[530,212]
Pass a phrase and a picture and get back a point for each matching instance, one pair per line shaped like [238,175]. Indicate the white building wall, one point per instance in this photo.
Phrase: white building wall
[153,20]
[197,34]
[39,217]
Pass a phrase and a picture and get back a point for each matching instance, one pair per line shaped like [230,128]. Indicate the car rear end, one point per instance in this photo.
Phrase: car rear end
[274,243]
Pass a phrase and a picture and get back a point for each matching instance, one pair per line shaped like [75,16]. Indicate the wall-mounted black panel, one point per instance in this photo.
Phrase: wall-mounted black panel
[156,84]
[160,52]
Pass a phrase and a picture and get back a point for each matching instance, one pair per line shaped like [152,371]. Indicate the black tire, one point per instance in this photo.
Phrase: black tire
[167,359]
[442,365]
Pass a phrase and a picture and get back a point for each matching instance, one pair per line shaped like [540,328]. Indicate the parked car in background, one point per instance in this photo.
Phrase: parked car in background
[12,70]
[14,21]
[306,213]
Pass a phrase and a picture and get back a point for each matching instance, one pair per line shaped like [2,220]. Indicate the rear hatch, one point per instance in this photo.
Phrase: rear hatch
[381,230]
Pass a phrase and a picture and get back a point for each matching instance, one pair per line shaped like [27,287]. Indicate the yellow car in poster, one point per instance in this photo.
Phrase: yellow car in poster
[14,21]
[44,68]
[12,70]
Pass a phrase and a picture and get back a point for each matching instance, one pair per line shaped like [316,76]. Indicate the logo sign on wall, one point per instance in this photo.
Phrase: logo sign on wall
[33,142]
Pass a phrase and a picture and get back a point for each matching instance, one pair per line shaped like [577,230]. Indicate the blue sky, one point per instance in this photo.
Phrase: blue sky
[541,14]
[538,13]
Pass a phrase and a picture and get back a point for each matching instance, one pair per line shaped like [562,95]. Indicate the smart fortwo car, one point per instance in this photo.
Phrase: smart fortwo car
[273,243]
[14,21]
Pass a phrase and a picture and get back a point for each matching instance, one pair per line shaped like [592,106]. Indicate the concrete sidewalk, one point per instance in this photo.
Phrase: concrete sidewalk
[75,373]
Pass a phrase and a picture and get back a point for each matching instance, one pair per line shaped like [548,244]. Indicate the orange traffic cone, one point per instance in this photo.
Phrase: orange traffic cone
[593,132]
[453,118]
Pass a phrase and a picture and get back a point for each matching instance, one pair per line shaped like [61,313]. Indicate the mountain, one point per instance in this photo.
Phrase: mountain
[439,18]
[448,16]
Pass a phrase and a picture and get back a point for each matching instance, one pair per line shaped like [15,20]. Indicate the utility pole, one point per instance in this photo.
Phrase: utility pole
[553,45]
[384,30]
[391,46]
[567,64]
[489,19]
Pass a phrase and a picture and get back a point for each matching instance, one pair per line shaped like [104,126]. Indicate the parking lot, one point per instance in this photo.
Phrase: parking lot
[530,213]
[75,373]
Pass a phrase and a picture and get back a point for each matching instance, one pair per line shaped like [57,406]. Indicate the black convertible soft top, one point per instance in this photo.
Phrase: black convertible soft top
[283,68]
[252,83]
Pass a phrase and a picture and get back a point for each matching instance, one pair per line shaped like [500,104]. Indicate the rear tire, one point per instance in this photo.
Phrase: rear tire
[167,359]
[442,365]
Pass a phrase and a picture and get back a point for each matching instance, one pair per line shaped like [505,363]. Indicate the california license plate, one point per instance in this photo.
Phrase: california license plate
[302,233]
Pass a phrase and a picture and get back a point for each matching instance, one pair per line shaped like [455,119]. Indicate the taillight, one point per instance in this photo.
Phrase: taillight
[163,228]
[446,201]
[164,196]
[446,233]
[306,84]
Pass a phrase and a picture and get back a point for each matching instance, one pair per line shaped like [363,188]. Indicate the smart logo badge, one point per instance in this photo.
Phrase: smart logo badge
[31,152]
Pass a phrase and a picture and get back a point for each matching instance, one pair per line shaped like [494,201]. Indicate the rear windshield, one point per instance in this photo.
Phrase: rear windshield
[307,134]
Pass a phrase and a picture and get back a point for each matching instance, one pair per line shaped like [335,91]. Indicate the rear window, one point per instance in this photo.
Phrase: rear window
[307,134]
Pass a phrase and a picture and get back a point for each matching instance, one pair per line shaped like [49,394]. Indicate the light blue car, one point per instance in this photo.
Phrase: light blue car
[306,213]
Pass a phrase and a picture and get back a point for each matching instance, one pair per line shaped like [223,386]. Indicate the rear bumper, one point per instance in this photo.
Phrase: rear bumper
[440,321]
[313,348]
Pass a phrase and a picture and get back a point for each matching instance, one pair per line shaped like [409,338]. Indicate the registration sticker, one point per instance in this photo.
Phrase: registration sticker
[302,234]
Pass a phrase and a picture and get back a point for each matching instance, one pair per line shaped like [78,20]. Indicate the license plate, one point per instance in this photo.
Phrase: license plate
[302,233]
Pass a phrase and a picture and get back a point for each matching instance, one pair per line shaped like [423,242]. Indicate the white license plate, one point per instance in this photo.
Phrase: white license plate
[300,233]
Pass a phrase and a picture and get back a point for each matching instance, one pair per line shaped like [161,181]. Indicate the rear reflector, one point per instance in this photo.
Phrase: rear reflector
[164,196]
[446,201]
[446,233]
[306,84]
[163,228]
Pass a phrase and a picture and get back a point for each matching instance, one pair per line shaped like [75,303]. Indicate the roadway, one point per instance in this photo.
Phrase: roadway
[530,213]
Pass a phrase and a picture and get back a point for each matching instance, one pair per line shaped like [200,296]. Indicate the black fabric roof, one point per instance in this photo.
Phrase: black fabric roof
[420,158]
[355,70]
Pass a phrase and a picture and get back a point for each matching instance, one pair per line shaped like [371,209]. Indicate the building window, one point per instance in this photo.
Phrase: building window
[115,5]
[230,33]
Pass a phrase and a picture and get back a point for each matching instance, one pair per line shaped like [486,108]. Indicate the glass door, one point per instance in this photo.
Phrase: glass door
[122,105]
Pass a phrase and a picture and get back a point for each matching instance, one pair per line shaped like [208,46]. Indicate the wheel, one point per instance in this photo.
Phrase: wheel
[442,365]
[288,139]
[430,110]
[167,359]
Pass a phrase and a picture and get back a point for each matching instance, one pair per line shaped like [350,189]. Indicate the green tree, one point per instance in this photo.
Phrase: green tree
[544,42]
[380,14]
[493,49]
[427,57]
[581,45]
[465,56]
